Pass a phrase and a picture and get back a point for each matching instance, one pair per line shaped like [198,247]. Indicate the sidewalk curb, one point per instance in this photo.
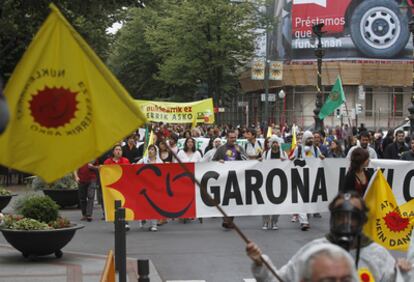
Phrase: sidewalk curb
[85,269]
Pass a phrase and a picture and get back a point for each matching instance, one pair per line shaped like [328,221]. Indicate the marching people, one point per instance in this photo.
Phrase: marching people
[317,142]
[229,152]
[172,144]
[130,150]
[397,148]
[364,141]
[304,151]
[151,158]
[388,139]
[321,262]
[357,177]
[86,177]
[409,155]
[164,154]
[335,150]
[344,233]
[116,157]
[208,156]
[274,152]
[253,147]
[189,154]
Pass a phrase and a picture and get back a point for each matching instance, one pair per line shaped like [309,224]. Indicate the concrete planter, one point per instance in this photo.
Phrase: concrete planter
[33,243]
[64,198]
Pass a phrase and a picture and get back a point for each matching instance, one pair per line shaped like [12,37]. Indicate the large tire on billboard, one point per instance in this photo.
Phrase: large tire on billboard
[378,29]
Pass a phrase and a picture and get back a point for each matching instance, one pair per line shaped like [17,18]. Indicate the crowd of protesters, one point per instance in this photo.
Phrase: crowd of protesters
[359,145]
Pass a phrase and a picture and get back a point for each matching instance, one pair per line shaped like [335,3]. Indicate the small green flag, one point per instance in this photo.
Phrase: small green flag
[336,98]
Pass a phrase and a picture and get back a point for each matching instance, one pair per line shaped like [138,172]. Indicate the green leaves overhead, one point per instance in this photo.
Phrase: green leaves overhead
[174,46]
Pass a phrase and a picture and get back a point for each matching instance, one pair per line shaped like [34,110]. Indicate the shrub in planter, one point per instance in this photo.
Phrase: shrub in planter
[4,192]
[63,191]
[38,229]
[65,183]
[28,224]
[41,208]
[5,197]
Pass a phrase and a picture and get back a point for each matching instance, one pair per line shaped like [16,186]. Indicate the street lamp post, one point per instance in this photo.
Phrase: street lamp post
[266,81]
[282,96]
[411,107]
[319,53]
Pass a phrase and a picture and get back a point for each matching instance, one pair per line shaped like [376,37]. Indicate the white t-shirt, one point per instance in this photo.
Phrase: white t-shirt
[193,158]
[253,150]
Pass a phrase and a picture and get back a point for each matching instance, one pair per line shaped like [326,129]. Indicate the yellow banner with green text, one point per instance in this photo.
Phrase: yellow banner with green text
[169,112]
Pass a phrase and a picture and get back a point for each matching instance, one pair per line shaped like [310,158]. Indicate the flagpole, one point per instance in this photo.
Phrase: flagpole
[220,209]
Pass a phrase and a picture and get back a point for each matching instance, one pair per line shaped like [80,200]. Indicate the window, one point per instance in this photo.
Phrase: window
[397,102]
[368,101]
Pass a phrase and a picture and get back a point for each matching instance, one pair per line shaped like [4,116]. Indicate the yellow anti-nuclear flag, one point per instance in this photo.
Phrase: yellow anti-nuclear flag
[388,224]
[66,107]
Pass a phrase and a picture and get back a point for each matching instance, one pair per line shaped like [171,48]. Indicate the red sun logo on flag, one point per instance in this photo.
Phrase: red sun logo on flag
[53,107]
[395,222]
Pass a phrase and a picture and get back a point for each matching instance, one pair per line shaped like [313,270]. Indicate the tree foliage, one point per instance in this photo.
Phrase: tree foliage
[178,46]
[20,20]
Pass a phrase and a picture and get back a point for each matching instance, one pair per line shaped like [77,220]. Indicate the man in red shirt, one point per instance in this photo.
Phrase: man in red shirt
[86,176]
[117,157]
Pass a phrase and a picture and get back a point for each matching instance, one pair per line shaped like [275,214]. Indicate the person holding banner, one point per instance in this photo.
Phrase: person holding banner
[208,156]
[348,215]
[116,157]
[253,147]
[229,152]
[304,151]
[86,177]
[189,154]
[151,158]
[274,152]
[164,154]
[357,177]
[172,143]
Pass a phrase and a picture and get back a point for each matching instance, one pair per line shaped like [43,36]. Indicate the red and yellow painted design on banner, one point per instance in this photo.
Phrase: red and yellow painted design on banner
[365,275]
[148,191]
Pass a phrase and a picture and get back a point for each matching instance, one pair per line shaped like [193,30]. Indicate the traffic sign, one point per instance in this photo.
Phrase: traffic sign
[271,97]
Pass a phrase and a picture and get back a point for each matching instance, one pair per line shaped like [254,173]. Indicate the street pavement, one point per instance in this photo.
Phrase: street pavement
[178,251]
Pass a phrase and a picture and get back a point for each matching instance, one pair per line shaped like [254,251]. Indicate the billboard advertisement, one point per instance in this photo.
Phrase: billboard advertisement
[352,29]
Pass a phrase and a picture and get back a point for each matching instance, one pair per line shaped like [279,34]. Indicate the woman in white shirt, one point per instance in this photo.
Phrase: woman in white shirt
[151,158]
[189,154]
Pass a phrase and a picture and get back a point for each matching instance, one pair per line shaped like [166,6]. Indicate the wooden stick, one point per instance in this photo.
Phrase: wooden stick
[220,209]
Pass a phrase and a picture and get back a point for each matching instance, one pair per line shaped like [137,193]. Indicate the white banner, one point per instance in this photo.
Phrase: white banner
[279,187]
